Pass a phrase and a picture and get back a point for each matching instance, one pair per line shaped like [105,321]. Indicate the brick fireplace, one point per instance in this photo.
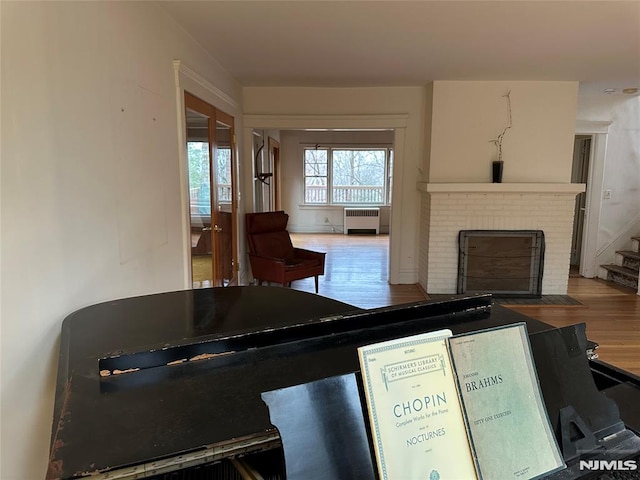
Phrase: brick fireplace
[449,208]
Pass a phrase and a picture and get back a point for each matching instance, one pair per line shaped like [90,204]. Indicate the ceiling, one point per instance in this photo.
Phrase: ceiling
[395,43]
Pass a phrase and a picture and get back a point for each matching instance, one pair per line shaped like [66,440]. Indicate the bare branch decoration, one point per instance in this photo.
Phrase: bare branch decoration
[498,141]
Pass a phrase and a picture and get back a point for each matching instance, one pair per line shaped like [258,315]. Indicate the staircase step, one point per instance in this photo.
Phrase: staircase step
[622,275]
[630,259]
[621,270]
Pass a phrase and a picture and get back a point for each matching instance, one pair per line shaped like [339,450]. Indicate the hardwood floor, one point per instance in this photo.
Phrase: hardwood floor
[201,271]
[357,270]
[612,315]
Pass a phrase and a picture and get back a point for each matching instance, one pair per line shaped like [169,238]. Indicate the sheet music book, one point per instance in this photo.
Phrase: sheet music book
[502,404]
[416,419]
[466,406]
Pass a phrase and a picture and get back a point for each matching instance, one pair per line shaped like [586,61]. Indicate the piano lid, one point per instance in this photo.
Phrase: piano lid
[273,338]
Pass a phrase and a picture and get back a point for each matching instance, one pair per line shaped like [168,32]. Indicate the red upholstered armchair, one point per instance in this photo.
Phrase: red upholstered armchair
[273,257]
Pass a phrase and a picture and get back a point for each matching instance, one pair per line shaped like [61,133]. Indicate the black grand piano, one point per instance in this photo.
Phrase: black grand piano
[169,386]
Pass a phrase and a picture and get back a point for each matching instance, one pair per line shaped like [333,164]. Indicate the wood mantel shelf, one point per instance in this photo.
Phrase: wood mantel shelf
[553,188]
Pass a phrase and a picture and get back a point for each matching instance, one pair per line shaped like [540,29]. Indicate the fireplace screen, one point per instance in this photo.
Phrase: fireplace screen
[501,262]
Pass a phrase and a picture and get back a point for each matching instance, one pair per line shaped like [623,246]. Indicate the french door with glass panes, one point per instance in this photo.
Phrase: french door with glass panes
[212,200]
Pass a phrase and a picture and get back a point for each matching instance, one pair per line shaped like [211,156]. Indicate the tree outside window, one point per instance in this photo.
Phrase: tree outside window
[347,175]
[199,176]
[315,175]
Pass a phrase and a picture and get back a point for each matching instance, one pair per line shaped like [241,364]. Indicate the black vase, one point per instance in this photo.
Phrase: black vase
[496,171]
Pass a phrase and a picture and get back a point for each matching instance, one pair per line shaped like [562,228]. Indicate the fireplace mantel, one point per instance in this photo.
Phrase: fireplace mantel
[553,188]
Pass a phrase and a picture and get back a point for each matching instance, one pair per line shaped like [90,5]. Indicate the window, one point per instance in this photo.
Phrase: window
[223,173]
[347,175]
[316,175]
[200,188]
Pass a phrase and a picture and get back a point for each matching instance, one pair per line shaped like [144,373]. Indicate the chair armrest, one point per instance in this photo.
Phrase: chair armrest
[303,253]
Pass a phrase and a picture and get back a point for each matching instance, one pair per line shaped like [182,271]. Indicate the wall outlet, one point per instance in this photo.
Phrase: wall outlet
[607,194]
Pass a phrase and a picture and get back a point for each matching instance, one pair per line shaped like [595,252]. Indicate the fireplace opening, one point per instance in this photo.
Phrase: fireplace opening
[506,263]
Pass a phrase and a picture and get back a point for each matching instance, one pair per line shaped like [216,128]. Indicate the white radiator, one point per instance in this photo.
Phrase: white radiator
[361,220]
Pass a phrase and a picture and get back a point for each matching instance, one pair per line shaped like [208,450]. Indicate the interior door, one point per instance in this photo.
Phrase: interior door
[212,186]
[223,205]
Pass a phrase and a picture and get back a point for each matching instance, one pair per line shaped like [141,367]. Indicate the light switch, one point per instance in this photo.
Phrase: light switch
[607,194]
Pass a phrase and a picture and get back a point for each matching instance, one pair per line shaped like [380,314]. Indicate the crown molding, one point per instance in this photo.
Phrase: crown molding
[181,68]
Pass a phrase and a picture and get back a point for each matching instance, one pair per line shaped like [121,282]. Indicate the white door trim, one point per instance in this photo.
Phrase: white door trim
[599,131]
[188,79]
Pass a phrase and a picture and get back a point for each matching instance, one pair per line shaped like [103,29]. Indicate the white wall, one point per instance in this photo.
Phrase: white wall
[90,192]
[467,115]
[619,215]
[301,103]
[538,148]
[311,218]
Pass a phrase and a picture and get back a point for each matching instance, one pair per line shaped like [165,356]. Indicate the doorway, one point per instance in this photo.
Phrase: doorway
[397,123]
[274,161]
[211,160]
[580,174]
[598,132]
[320,177]
[266,166]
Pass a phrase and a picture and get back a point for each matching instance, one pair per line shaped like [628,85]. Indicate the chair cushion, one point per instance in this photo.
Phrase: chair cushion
[300,263]
[274,244]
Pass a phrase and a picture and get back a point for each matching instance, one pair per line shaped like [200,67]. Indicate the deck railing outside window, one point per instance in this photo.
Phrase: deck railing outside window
[345,194]
[199,198]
